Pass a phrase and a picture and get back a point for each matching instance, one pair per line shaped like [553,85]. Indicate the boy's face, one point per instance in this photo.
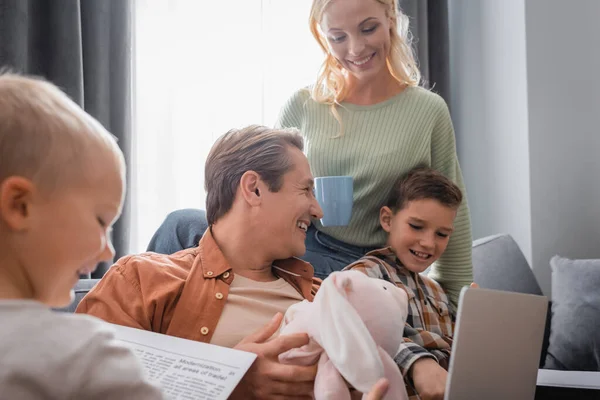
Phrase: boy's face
[419,233]
[58,236]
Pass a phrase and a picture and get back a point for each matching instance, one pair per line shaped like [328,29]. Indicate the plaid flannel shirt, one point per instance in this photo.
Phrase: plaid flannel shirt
[430,321]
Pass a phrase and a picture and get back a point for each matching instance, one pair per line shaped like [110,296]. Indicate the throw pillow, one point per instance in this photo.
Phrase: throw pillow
[575,331]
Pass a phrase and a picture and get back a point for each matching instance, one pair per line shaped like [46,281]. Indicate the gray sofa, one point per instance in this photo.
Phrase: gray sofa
[81,289]
[498,263]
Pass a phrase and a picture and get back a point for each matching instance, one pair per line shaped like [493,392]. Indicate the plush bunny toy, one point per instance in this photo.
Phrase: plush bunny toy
[355,325]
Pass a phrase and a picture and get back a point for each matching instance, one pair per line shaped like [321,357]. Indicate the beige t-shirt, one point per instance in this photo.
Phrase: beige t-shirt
[53,355]
[251,305]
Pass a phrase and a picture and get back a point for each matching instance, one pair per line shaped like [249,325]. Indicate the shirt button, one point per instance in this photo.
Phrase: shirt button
[209,273]
[204,330]
[226,275]
[219,296]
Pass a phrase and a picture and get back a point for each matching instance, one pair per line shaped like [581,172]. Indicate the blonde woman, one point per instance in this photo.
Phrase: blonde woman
[366,117]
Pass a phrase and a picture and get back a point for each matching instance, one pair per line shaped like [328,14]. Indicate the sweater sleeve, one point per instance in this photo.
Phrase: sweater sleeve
[291,114]
[454,268]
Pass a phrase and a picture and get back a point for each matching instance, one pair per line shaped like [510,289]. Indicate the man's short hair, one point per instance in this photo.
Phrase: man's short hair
[46,137]
[423,183]
[254,148]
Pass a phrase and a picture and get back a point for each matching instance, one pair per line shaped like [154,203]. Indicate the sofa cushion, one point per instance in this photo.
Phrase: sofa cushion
[574,336]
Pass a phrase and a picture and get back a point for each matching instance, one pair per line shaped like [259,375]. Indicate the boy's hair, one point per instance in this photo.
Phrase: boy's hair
[46,137]
[423,183]
[254,148]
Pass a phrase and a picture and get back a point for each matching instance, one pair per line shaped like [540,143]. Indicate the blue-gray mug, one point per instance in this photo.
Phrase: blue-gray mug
[335,196]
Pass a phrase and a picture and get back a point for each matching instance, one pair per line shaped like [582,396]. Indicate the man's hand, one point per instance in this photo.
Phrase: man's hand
[378,390]
[267,378]
[429,379]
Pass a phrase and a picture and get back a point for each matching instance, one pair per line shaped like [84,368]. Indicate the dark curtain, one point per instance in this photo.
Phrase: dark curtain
[84,47]
[429,27]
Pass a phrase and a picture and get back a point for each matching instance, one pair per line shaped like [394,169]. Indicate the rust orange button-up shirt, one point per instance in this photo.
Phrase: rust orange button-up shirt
[182,294]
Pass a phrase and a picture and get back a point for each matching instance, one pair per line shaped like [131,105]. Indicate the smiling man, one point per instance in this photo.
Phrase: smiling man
[259,205]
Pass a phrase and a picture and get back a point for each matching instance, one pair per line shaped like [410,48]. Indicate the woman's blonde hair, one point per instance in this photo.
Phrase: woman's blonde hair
[331,87]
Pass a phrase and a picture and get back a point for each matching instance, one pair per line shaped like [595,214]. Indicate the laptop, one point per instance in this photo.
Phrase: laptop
[497,344]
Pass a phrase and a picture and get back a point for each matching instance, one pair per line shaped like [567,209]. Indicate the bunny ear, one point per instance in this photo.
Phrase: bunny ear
[344,336]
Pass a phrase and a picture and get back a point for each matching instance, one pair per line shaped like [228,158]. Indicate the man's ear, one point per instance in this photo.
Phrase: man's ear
[385,218]
[16,194]
[251,188]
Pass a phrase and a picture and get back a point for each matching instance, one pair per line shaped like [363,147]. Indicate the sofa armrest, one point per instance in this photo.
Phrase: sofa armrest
[499,264]
[572,379]
[558,385]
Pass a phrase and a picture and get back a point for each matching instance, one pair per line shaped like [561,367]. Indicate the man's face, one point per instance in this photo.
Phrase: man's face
[287,212]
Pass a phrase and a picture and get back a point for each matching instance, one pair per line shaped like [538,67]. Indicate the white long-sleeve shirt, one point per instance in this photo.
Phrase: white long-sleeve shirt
[51,355]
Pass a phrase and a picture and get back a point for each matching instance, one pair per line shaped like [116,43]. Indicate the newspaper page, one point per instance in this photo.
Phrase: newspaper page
[186,369]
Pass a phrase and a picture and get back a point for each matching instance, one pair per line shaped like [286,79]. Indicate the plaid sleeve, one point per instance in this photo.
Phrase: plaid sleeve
[443,357]
[409,353]
[429,326]
[370,266]
[419,343]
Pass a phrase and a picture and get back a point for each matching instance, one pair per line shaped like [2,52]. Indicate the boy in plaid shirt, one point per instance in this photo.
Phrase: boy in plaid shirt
[418,218]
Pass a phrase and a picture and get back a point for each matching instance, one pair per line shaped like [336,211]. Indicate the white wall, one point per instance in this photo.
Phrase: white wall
[525,83]
[563,60]
[489,109]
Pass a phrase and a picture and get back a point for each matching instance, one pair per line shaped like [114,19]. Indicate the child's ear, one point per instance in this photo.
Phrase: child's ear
[251,188]
[16,195]
[385,218]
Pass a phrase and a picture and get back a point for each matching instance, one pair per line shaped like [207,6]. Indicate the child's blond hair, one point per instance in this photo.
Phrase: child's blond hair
[47,138]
